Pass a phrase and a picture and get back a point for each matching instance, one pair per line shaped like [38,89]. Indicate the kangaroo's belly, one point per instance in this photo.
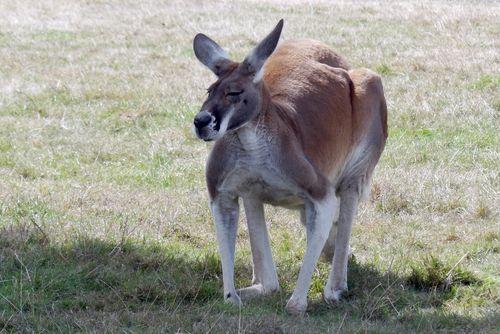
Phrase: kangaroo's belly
[263,183]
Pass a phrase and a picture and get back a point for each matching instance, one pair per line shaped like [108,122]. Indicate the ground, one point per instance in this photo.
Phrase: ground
[104,217]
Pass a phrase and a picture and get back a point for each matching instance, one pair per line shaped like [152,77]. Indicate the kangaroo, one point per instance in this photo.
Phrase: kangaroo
[294,127]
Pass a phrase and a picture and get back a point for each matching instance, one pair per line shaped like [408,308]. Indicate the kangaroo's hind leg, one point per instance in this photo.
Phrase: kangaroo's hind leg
[337,279]
[265,279]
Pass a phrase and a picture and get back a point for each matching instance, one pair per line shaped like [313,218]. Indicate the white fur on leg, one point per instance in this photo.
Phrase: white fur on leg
[333,296]
[337,279]
[226,222]
[317,233]
[265,279]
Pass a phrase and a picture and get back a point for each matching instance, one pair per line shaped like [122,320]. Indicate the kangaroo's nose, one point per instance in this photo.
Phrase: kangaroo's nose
[202,119]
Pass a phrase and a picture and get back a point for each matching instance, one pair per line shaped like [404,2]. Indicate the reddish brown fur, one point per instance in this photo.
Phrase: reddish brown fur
[312,80]
[368,89]
[317,111]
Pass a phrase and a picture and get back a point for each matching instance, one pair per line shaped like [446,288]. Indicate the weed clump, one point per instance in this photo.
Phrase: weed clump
[432,274]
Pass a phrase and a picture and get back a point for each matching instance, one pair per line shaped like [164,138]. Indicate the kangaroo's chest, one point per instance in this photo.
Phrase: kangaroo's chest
[255,173]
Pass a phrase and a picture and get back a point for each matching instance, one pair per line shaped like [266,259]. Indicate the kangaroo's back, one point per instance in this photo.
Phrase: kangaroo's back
[312,82]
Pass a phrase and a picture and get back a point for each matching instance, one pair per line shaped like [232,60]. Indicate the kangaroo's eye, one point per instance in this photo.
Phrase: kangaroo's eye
[234,96]
[234,93]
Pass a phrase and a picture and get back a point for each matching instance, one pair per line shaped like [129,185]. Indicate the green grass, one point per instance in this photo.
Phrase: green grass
[487,81]
[176,283]
[104,218]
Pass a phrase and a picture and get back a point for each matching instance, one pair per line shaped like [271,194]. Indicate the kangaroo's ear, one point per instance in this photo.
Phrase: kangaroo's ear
[256,59]
[209,53]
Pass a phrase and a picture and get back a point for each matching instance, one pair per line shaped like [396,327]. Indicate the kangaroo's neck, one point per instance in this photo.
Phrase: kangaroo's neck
[271,111]
[258,132]
[265,129]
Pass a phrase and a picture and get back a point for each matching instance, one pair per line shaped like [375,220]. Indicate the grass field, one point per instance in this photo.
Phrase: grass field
[104,219]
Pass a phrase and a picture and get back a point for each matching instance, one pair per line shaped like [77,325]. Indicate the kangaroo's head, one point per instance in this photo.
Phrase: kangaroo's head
[236,97]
